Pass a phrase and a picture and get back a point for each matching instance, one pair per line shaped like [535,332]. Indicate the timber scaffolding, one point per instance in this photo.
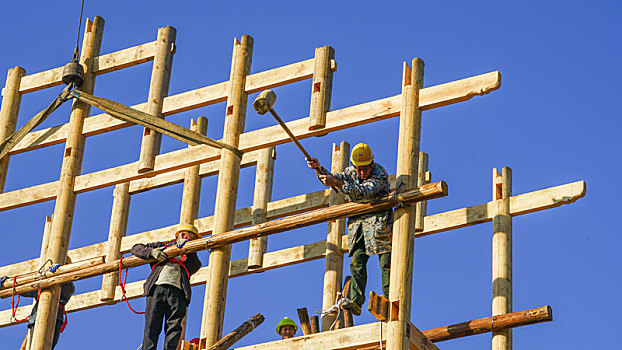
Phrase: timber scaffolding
[265,217]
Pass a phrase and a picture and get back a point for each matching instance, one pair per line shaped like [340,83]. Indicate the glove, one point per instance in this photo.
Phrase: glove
[181,242]
[159,254]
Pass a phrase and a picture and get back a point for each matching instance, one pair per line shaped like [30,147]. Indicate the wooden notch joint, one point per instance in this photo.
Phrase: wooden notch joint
[395,310]
[317,86]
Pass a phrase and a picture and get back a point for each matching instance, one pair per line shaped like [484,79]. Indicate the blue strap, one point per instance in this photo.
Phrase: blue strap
[2,279]
[54,267]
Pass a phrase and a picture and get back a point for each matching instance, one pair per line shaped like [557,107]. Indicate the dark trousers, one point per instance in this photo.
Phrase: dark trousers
[168,303]
[358,270]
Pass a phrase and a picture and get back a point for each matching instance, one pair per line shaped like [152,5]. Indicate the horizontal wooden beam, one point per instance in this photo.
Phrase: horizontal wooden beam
[413,195]
[460,90]
[103,64]
[174,104]
[450,220]
[356,337]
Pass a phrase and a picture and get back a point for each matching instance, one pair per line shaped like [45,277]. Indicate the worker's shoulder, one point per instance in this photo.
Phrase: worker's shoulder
[378,170]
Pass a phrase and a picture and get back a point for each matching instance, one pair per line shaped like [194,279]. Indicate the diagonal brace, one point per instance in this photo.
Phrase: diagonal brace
[132,115]
[16,137]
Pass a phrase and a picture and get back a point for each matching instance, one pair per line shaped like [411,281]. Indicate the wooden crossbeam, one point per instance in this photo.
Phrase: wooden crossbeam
[438,95]
[178,103]
[426,192]
[101,64]
[520,204]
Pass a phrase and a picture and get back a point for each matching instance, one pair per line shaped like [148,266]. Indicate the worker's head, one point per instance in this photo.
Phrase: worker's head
[286,328]
[187,231]
[362,158]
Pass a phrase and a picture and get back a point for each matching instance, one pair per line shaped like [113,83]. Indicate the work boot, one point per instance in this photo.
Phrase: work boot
[353,306]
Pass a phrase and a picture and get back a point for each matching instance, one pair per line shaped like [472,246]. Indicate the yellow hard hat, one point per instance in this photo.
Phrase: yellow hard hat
[189,228]
[286,322]
[361,155]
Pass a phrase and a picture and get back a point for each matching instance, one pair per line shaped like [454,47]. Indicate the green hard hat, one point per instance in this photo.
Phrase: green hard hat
[286,322]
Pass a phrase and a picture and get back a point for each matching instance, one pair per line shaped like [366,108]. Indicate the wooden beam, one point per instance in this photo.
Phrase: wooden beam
[227,341]
[101,64]
[337,120]
[226,196]
[434,190]
[403,242]
[43,330]
[501,254]
[158,90]
[118,229]
[378,306]
[321,87]
[263,194]
[178,103]
[303,317]
[333,265]
[423,177]
[11,100]
[521,204]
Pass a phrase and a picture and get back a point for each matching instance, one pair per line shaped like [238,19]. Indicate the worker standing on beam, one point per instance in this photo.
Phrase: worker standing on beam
[167,289]
[368,234]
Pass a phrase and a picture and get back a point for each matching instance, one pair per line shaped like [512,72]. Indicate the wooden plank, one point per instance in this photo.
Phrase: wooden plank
[249,141]
[11,100]
[403,242]
[173,104]
[423,177]
[303,317]
[378,306]
[101,64]
[521,204]
[227,341]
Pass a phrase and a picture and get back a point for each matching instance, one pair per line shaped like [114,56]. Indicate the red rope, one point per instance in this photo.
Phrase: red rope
[124,297]
[13,305]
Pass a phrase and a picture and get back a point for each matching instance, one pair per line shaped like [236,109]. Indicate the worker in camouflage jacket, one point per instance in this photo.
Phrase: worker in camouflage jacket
[167,289]
[368,234]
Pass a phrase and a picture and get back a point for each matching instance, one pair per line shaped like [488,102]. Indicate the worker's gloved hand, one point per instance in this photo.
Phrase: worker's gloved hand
[313,163]
[181,242]
[159,254]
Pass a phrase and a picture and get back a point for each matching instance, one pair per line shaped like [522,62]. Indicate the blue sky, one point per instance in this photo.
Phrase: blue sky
[553,121]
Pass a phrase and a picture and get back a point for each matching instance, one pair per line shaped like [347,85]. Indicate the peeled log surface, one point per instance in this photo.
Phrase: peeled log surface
[426,192]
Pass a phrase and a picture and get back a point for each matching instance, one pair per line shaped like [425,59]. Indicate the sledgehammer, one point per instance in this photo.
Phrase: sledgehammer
[263,104]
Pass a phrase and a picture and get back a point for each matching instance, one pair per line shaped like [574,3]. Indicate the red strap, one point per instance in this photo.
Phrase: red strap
[14,305]
[123,288]
[180,261]
[62,328]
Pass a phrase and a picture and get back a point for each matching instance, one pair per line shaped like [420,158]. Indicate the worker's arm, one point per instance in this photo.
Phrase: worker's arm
[193,264]
[377,184]
[143,251]
[329,179]
[66,291]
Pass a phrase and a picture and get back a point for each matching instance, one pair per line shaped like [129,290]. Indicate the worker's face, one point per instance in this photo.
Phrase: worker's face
[186,235]
[287,332]
[363,171]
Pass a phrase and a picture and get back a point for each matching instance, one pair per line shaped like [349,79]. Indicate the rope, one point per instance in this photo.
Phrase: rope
[380,335]
[397,189]
[122,285]
[76,52]
[14,305]
[335,308]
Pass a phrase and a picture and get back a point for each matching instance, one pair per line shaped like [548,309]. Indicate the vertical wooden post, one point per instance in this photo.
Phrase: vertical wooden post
[333,267]
[322,87]
[158,90]
[423,178]
[502,254]
[263,194]
[226,195]
[403,243]
[305,324]
[118,229]
[11,100]
[190,199]
[66,198]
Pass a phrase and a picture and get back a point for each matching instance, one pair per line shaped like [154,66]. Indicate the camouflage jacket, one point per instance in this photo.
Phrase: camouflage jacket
[377,227]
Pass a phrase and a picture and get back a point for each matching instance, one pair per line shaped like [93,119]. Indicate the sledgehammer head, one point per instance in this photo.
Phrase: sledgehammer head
[264,102]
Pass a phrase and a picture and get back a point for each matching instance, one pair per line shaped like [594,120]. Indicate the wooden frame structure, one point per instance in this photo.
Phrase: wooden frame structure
[153,170]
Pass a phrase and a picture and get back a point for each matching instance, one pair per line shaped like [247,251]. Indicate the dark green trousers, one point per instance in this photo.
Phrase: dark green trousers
[358,270]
